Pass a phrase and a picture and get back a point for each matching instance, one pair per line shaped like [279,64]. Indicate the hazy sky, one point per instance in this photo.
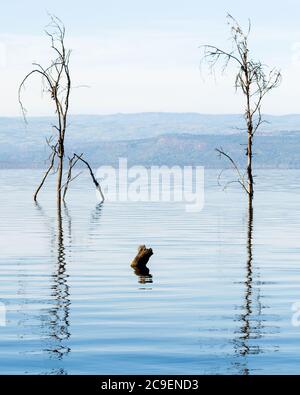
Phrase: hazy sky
[138,55]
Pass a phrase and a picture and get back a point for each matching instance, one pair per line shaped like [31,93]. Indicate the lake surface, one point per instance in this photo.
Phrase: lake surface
[219,300]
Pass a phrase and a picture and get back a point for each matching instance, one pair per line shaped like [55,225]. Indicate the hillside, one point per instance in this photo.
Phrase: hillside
[153,138]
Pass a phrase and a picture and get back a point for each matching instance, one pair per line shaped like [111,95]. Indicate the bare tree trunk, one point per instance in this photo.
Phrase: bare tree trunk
[249,167]
[59,179]
[60,170]
[249,117]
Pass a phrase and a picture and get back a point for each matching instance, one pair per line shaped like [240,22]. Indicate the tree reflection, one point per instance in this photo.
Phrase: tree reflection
[251,323]
[59,313]
[56,319]
[96,214]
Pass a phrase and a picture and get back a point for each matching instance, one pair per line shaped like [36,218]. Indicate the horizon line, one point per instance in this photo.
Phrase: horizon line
[146,112]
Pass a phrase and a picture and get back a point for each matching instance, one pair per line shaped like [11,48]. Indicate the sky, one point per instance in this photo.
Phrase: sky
[140,56]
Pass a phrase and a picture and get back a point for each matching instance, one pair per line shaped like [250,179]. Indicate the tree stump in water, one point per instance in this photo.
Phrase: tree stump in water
[142,258]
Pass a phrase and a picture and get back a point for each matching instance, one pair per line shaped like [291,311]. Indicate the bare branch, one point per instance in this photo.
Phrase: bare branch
[45,175]
[72,163]
[97,185]
[236,168]
[35,71]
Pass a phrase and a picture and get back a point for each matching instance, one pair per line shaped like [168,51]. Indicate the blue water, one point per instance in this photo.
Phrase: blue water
[217,302]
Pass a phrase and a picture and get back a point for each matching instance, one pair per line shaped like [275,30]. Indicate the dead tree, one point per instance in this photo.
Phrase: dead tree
[254,81]
[56,81]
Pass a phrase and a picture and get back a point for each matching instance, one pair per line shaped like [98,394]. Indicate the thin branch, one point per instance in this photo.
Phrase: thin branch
[72,163]
[54,153]
[97,185]
[240,177]
[35,71]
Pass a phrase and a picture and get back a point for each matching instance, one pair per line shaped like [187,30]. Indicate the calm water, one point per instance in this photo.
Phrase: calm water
[219,300]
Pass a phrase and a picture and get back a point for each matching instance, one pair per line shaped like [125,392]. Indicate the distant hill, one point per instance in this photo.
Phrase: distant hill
[153,138]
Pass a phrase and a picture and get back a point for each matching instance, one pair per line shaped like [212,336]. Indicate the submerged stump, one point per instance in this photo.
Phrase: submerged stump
[142,257]
[139,264]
